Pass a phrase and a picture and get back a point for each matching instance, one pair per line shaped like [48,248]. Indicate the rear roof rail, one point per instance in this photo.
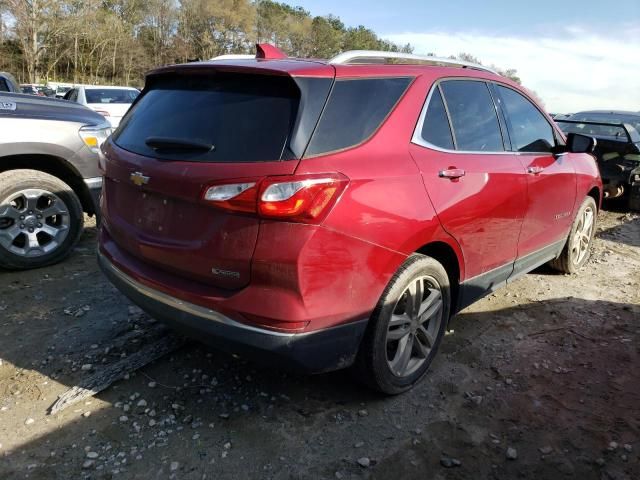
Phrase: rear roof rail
[377,56]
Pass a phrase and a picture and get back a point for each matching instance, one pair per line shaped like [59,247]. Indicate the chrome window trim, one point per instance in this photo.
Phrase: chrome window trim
[417,132]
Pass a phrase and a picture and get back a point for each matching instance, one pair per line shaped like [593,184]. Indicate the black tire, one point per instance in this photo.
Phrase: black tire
[571,259]
[372,365]
[634,197]
[67,220]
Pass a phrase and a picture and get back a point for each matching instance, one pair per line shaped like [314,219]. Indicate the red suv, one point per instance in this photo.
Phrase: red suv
[330,214]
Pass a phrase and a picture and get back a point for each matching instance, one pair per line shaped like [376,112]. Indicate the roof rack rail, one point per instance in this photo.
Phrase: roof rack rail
[365,56]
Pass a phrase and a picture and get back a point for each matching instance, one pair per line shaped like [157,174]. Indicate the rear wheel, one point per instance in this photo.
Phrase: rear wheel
[577,250]
[40,219]
[406,327]
[634,197]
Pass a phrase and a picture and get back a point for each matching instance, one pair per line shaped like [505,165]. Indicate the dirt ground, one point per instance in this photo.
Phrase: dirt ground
[540,380]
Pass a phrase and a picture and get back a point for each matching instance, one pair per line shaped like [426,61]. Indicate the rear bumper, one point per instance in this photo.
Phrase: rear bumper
[311,352]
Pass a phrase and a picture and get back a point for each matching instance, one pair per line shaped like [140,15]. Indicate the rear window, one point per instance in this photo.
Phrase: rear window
[354,111]
[244,118]
[110,95]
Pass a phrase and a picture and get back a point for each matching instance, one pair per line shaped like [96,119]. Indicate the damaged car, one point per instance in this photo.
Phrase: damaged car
[617,150]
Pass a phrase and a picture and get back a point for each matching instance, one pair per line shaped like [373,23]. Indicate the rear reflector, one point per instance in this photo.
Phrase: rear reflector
[299,198]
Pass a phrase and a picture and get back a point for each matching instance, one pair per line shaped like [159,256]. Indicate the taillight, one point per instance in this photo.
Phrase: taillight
[240,197]
[298,198]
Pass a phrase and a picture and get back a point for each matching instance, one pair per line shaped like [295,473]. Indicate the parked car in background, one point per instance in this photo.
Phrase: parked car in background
[60,88]
[336,214]
[617,151]
[8,83]
[110,102]
[35,89]
[49,176]
[30,89]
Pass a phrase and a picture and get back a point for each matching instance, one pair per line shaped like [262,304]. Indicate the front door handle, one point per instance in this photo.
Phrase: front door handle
[452,173]
[535,170]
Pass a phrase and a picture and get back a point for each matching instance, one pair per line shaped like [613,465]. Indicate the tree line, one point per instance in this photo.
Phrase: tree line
[116,41]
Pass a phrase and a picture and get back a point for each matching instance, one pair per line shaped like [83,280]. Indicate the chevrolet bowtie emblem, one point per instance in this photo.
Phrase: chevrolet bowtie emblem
[138,179]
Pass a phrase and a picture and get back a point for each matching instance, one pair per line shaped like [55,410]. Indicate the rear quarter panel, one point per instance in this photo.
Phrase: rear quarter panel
[385,206]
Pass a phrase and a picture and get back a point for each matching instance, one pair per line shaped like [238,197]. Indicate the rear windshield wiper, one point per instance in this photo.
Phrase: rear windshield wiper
[182,144]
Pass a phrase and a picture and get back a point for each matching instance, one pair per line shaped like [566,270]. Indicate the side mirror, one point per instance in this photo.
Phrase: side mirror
[577,143]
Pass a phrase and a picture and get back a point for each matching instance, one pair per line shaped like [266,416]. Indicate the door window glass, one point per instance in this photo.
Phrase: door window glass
[473,116]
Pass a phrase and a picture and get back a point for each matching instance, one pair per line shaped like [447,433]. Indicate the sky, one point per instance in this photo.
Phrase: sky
[575,54]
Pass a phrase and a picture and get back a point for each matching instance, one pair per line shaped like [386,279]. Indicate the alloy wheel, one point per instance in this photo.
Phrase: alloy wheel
[33,222]
[582,236]
[414,325]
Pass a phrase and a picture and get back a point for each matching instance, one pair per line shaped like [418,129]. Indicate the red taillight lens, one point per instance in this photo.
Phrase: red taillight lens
[300,198]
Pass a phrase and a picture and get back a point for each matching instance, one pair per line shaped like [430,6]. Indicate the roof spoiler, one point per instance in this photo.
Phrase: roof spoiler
[264,51]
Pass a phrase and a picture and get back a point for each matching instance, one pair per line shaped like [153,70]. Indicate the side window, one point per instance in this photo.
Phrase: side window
[354,111]
[435,128]
[473,116]
[3,85]
[529,130]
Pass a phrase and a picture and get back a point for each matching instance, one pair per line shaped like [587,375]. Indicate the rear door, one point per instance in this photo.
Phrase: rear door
[477,188]
[551,179]
[153,204]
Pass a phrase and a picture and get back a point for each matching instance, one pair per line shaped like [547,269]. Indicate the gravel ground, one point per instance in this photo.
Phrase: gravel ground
[537,381]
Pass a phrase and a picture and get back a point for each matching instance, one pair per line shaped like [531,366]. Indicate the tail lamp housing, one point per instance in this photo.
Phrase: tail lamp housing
[295,198]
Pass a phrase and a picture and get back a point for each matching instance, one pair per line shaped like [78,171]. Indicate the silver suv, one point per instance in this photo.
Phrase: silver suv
[49,177]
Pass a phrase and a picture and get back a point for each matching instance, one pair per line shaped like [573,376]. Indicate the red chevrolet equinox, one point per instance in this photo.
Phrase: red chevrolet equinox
[332,214]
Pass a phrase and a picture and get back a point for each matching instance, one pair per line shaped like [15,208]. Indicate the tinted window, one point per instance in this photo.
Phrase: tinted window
[354,111]
[530,131]
[435,128]
[3,85]
[71,95]
[110,95]
[473,116]
[246,118]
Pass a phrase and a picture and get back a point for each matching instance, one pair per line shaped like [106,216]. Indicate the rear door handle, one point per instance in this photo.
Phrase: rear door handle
[535,169]
[452,173]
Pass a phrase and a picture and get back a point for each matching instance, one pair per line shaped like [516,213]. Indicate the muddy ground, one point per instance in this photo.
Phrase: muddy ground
[539,381]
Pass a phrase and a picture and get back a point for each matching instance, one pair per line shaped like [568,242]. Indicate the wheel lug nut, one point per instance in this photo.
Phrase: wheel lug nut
[39,225]
[38,216]
[22,225]
[31,230]
[21,217]
[30,212]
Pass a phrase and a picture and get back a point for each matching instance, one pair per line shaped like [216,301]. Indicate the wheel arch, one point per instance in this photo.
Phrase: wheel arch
[55,166]
[452,263]
[596,194]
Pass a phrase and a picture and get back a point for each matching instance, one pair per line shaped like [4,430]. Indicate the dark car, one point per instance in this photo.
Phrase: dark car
[617,151]
[329,214]
[49,176]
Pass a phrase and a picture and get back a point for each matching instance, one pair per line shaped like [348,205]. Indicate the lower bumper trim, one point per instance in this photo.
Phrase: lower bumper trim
[311,352]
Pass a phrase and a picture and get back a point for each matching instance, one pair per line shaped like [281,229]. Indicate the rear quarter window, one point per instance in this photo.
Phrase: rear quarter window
[246,118]
[354,111]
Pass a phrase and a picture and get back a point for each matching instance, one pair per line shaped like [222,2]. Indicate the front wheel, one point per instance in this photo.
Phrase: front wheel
[406,327]
[40,219]
[577,250]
